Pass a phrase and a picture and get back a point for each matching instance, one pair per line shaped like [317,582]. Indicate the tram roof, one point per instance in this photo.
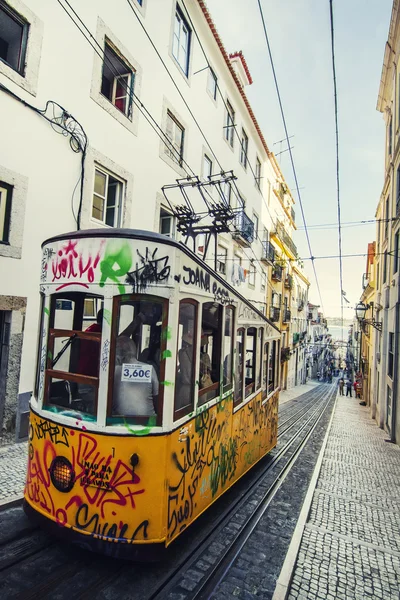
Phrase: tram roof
[141,234]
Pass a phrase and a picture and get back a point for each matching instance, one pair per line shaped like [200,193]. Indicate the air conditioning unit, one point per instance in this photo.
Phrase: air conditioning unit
[378,357]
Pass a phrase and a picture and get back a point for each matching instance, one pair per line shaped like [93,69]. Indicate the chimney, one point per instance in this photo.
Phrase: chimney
[241,69]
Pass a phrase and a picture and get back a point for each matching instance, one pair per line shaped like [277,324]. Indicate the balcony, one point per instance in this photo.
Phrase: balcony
[296,338]
[303,335]
[244,226]
[277,272]
[268,253]
[274,314]
[285,354]
[285,238]
[300,305]
[286,316]
[289,282]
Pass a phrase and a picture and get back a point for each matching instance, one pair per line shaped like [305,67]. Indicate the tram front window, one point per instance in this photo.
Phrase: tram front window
[138,350]
[73,355]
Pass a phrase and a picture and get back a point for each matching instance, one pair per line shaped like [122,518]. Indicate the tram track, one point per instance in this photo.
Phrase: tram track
[103,575]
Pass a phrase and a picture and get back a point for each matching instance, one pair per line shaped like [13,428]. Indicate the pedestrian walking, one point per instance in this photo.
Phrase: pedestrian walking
[348,388]
[341,386]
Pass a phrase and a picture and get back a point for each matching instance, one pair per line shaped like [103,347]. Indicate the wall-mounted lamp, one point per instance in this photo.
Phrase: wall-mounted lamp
[361,309]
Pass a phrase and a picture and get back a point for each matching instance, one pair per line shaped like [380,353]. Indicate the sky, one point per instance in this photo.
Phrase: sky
[299,36]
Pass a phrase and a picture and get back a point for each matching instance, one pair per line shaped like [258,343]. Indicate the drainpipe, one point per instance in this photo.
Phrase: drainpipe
[395,365]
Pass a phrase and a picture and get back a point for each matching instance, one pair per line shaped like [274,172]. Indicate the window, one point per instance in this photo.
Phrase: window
[186,358]
[210,352]
[222,259]
[265,371]
[396,253]
[255,221]
[72,363]
[259,354]
[271,367]
[175,134]
[107,198]
[139,334]
[117,81]
[244,146]
[167,223]
[207,167]
[390,354]
[384,276]
[181,42]
[5,212]
[251,350]
[239,367]
[263,280]
[390,136]
[212,83]
[91,307]
[252,275]
[226,192]
[229,124]
[398,192]
[386,218]
[258,172]
[13,38]
[228,349]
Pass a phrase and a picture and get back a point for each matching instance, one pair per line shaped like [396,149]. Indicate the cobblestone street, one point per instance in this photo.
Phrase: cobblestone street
[13,461]
[350,547]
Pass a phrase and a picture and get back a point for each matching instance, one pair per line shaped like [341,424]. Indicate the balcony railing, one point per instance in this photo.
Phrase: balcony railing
[303,335]
[300,305]
[285,354]
[286,316]
[289,282]
[274,314]
[296,338]
[268,252]
[244,227]
[276,274]
[285,238]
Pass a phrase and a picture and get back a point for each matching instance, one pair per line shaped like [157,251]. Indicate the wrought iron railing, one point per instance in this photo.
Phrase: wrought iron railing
[286,316]
[296,338]
[300,305]
[285,354]
[281,232]
[268,252]
[274,314]
[289,282]
[244,226]
[276,274]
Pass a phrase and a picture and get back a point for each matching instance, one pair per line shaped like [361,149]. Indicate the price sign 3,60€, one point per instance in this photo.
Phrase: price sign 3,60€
[136,372]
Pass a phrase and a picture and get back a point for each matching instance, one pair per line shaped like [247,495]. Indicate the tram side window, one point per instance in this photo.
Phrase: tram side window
[186,358]
[210,352]
[271,367]
[228,349]
[265,371]
[134,388]
[251,345]
[73,355]
[277,362]
[239,371]
[259,354]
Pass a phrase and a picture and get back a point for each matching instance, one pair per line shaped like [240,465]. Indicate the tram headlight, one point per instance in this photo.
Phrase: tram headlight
[62,474]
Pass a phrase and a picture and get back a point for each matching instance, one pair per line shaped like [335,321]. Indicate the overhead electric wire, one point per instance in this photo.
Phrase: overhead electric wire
[337,154]
[290,151]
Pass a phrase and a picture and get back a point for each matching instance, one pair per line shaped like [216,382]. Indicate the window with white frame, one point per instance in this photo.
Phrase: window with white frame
[222,256]
[263,280]
[255,221]
[167,223]
[226,191]
[212,83]
[175,134]
[258,172]
[244,146]
[107,198]
[181,41]
[117,81]
[13,38]
[252,275]
[229,124]
[5,212]
[207,167]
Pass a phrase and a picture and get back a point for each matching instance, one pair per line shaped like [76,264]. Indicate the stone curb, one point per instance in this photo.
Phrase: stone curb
[11,501]
[285,576]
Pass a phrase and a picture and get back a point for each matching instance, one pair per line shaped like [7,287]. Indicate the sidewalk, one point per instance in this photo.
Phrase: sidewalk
[13,461]
[346,544]
[287,395]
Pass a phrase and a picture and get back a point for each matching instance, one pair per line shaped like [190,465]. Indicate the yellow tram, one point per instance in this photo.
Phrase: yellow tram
[156,389]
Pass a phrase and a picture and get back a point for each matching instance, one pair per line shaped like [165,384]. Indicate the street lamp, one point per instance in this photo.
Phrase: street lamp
[361,309]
